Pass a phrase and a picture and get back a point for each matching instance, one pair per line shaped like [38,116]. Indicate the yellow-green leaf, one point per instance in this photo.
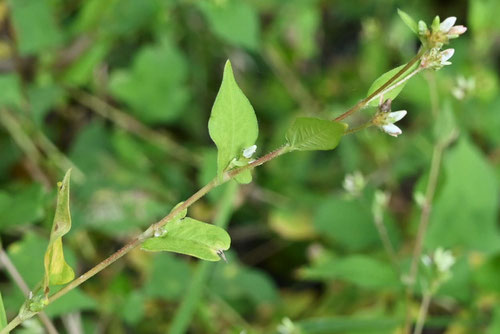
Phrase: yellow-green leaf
[57,271]
[191,237]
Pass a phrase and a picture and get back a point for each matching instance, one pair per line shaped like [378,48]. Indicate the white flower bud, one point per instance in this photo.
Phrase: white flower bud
[249,151]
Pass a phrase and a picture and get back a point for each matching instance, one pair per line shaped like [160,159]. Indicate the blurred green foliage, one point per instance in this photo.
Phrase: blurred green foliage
[121,91]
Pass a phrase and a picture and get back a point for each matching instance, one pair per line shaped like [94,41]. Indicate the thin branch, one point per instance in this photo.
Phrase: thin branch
[361,104]
[18,279]
[129,123]
[422,313]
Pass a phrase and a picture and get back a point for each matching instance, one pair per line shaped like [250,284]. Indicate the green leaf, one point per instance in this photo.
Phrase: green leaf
[35,27]
[381,80]
[3,316]
[57,271]
[465,212]
[22,207]
[233,21]
[167,278]
[244,177]
[155,88]
[191,237]
[445,127]
[10,86]
[232,124]
[310,134]
[409,21]
[357,269]
[346,222]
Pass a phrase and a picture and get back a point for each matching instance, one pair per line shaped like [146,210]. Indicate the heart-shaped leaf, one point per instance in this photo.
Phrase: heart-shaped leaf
[310,134]
[191,237]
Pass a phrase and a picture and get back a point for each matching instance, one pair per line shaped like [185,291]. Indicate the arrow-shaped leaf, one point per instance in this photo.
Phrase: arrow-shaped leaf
[232,124]
[57,271]
[191,237]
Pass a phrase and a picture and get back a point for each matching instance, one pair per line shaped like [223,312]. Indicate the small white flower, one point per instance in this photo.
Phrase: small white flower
[447,24]
[354,183]
[446,55]
[457,30]
[396,116]
[444,260]
[426,260]
[387,124]
[392,130]
[249,151]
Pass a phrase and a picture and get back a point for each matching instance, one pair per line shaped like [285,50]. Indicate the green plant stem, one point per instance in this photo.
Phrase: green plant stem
[422,313]
[184,313]
[18,279]
[204,190]
[361,104]
[150,231]
[359,128]
[24,142]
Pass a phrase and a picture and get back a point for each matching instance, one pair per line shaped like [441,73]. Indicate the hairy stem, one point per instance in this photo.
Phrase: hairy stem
[422,313]
[361,104]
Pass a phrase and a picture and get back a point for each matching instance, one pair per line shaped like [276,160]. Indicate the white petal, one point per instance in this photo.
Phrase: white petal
[446,25]
[249,151]
[396,116]
[392,130]
[457,30]
[446,54]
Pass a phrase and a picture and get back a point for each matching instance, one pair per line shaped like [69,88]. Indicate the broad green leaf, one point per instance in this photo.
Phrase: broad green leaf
[10,86]
[348,223]
[167,278]
[361,270]
[381,80]
[57,271]
[310,134]
[3,316]
[233,21]
[35,26]
[465,212]
[445,127]
[235,282]
[191,237]
[21,207]
[232,124]
[155,87]
[409,21]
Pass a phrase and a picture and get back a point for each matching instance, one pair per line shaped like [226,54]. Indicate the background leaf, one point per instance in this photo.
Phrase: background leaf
[233,21]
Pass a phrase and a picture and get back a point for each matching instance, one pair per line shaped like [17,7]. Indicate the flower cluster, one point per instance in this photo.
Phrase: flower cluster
[440,264]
